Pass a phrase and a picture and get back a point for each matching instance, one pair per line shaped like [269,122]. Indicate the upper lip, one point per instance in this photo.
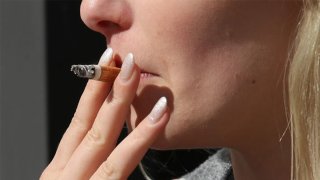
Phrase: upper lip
[148,72]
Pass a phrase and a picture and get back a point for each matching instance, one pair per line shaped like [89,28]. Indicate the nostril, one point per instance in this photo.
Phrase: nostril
[108,24]
[108,28]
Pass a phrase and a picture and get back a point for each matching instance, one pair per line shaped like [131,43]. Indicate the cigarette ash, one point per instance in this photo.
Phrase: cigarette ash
[84,71]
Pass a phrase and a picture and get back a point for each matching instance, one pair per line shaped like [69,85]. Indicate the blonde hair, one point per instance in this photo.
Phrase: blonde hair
[304,95]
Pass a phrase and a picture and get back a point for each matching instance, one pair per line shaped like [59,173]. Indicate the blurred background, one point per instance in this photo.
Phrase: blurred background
[39,41]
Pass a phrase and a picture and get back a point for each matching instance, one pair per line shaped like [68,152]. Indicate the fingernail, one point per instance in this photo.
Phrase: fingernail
[158,110]
[127,67]
[106,57]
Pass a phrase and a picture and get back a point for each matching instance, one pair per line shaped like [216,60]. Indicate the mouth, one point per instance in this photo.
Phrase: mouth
[144,74]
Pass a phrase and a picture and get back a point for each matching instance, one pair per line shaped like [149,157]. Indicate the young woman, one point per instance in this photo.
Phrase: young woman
[243,75]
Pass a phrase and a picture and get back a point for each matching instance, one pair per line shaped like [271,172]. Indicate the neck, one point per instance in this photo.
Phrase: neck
[266,159]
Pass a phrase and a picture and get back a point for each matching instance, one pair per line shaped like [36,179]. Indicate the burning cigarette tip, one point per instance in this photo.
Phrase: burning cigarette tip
[84,71]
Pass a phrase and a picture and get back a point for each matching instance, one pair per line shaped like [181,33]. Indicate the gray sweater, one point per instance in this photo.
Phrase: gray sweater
[217,167]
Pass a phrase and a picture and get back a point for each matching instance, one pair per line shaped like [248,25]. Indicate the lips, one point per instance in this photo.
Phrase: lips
[145,72]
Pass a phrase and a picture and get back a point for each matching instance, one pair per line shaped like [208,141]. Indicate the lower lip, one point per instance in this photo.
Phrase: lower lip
[146,75]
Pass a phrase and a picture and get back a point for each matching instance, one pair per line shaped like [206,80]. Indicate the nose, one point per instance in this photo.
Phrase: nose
[106,16]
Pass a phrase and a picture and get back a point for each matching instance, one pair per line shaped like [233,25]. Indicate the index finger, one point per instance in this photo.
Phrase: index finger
[89,104]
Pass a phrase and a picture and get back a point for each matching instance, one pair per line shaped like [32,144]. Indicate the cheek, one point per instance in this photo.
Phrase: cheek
[219,97]
[176,25]
[216,89]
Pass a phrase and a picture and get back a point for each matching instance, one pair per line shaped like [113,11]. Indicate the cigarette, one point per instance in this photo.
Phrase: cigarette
[96,72]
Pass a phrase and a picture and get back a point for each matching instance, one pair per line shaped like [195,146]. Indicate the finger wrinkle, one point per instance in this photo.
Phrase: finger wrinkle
[96,139]
[80,123]
[108,171]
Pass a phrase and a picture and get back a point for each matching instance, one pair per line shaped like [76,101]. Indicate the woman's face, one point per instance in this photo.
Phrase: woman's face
[219,62]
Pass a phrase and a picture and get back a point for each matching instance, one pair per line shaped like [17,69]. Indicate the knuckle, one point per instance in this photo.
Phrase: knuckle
[117,99]
[78,123]
[139,138]
[109,171]
[95,137]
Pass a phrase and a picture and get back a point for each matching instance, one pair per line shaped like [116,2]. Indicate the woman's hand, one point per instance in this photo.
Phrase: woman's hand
[88,148]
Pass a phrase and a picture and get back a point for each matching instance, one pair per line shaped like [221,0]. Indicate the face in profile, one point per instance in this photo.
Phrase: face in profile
[220,64]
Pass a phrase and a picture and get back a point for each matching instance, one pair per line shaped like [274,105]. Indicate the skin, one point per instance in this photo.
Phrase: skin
[219,63]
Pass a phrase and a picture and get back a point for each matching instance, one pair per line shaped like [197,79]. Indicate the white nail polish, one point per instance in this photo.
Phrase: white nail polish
[106,57]
[158,110]
[127,67]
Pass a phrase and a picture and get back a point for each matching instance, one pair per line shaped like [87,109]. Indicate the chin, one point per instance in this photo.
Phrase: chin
[140,109]
[146,97]
[169,139]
